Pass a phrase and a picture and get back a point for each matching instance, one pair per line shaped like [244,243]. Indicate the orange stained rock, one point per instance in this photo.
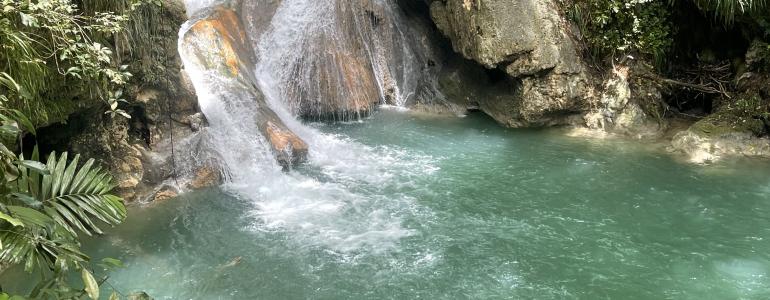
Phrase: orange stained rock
[283,140]
[223,28]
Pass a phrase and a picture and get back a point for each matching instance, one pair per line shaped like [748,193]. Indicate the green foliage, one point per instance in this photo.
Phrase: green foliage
[56,56]
[617,27]
[45,207]
[728,10]
[59,56]
[744,114]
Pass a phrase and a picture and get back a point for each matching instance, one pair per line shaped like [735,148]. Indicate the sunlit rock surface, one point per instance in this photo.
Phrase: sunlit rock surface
[218,44]
[702,148]
[529,41]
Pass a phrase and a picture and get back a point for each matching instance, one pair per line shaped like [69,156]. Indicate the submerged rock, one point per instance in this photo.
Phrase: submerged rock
[164,194]
[139,296]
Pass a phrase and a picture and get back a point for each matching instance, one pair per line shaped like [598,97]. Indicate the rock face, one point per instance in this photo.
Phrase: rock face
[217,43]
[161,104]
[529,42]
[206,176]
[627,104]
[342,57]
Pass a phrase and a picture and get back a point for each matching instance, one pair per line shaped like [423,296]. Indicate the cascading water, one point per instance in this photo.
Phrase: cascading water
[338,58]
[336,199]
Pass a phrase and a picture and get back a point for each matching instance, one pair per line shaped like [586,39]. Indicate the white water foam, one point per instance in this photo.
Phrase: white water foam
[194,6]
[337,200]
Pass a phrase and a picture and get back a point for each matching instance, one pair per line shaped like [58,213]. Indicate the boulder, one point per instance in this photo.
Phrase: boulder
[703,148]
[206,176]
[527,40]
[630,104]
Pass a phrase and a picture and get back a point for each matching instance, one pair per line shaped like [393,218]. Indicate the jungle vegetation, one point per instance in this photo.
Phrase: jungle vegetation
[58,56]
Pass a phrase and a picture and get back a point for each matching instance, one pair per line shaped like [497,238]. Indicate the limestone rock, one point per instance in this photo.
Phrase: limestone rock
[621,106]
[351,56]
[196,121]
[702,148]
[289,149]
[164,194]
[206,176]
[529,41]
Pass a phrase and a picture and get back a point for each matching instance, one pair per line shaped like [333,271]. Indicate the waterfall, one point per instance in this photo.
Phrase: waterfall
[301,52]
[340,58]
[195,6]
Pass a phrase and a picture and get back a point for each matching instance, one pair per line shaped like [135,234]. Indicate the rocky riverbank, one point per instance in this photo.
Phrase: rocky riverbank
[524,63]
[526,67]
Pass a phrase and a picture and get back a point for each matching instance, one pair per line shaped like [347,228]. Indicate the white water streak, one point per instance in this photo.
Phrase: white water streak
[342,207]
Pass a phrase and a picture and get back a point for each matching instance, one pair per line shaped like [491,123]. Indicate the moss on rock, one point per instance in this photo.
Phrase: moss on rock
[742,115]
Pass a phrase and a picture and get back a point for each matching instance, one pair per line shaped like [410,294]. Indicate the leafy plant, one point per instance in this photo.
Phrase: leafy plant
[59,52]
[56,55]
[728,10]
[44,208]
[618,27]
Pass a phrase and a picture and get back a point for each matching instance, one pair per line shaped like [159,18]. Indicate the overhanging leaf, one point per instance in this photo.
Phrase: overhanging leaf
[112,262]
[36,166]
[92,288]
[27,199]
[12,220]
[29,216]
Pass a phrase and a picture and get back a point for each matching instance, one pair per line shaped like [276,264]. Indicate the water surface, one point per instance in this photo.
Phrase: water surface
[409,206]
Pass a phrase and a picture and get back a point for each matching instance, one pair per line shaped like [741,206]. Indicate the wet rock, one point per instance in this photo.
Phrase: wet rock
[351,56]
[196,121]
[256,17]
[701,148]
[289,149]
[206,176]
[164,194]
[217,43]
[621,106]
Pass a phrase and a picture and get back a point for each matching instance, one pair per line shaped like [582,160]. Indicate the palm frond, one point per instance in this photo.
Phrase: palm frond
[76,198]
[35,249]
[728,10]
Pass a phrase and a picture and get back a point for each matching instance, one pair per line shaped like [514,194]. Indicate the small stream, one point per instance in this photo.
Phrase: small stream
[458,208]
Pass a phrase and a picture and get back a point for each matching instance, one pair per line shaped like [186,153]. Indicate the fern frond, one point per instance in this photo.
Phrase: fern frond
[76,198]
